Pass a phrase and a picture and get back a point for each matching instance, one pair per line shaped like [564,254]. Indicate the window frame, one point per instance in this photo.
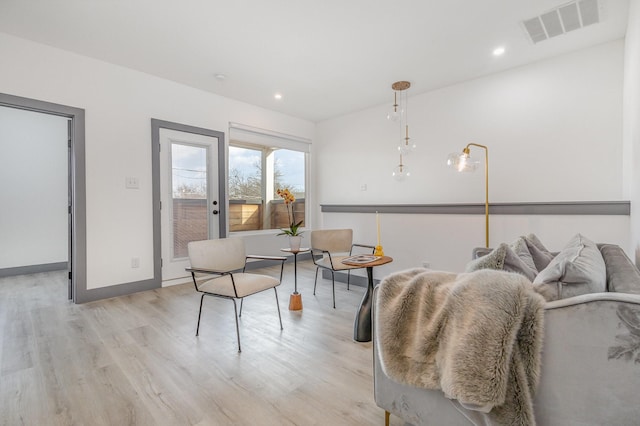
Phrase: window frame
[267,142]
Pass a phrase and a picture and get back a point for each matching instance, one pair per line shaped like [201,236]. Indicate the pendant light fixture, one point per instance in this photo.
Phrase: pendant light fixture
[401,171]
[394,113]
[399,112]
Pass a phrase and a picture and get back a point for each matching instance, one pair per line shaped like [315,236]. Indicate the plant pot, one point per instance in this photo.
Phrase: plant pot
[294,243]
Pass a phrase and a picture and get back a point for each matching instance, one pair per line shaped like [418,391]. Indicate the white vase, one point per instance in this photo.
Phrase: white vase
[294,243]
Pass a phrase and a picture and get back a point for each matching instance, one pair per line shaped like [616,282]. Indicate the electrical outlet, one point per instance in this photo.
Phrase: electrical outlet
[426,264]
[363,187]
[135,262]
[132,182]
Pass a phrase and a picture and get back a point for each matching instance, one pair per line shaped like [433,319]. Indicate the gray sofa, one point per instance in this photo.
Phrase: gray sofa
[590,361]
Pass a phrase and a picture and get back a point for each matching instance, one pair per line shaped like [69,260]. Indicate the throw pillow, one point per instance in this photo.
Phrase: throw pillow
[539,253]
[622,275]
[519,246]
[577,269]
[502,258]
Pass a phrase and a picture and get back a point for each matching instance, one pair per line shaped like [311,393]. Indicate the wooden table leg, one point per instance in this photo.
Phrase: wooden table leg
[295,300]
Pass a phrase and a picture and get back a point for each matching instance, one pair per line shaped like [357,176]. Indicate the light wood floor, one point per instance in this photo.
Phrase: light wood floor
[135,360]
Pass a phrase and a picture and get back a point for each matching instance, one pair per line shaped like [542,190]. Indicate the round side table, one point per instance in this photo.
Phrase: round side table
[295,300]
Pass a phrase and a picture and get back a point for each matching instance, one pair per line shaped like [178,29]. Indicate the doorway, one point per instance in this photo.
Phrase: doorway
[189,186]
[71,152]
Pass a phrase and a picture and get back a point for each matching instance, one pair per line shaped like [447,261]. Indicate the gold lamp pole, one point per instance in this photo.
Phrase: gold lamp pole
[462,162]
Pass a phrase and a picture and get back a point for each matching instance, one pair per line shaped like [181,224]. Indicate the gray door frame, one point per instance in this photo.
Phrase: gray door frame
[156,125]
[77,181]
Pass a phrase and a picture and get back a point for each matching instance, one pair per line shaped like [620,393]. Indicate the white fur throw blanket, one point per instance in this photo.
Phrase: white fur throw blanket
[476,336]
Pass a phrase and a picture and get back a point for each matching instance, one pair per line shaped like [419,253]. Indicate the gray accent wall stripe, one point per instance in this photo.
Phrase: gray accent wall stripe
[552,208]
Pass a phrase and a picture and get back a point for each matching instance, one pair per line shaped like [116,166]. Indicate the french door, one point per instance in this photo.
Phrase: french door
[189,196]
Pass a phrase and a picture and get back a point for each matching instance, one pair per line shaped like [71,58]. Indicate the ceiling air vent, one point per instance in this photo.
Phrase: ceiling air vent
[567,17]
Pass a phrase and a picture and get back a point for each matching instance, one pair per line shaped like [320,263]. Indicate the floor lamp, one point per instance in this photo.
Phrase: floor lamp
[464,163]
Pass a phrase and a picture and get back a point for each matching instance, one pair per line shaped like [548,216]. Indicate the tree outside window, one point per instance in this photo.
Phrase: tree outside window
[255,173]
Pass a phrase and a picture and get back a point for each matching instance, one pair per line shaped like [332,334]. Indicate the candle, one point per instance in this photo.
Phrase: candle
[378,226]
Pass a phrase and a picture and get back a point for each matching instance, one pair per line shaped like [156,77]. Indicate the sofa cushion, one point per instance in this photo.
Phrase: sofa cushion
[503,258]
[578,269]
[622,275]
[539,253]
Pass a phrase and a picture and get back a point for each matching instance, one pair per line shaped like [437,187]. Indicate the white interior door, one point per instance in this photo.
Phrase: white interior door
[189,196]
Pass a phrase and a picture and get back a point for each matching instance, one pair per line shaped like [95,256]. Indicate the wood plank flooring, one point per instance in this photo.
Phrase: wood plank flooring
[135,360]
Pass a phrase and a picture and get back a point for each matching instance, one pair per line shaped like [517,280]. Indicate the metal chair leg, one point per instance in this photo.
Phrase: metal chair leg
[241,300]
[235,311]
[348,279]
[316,281]
[278,305]
[333,288]
[199,315]
[386,418]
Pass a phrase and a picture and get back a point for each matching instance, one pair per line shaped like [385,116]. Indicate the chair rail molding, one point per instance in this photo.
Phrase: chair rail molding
[622,208]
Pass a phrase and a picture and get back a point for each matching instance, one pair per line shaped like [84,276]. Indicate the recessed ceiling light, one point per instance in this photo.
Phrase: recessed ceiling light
[498,51]
[278,96]
[220,77]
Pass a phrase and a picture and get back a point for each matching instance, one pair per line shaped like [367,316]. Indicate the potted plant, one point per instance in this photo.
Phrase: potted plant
[293,230]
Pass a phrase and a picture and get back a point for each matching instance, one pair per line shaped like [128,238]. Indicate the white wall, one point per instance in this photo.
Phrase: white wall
[446,241]
[33,189]
[632,121]
[554,133]
[119,105]
[566,108]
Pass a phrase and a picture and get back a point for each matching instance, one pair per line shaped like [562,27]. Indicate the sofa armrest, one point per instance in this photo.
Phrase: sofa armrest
[590,371]
[593,297]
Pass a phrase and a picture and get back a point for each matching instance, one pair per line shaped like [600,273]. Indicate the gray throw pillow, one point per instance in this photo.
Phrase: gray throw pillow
[539,253]
[502,258]
[577,269]
[622,274]
[519,246]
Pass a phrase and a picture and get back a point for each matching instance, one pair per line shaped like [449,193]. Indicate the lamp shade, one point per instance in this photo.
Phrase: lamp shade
[406,148]
[401,172]
[462,162]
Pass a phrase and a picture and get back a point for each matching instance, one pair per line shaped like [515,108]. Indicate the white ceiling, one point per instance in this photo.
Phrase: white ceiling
[327,57]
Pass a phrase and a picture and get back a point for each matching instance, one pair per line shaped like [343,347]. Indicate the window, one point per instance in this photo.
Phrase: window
[256,172]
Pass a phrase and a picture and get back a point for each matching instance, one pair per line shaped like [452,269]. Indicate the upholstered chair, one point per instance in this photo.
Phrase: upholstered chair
[225,260]
[329,247]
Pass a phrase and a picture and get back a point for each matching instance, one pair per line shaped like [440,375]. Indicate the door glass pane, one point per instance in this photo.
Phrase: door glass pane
[189,188]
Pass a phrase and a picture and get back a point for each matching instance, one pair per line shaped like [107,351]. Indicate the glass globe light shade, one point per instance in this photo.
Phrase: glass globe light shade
[462,162]
[401,172]
[406,147]
[394,114]
[453,159]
